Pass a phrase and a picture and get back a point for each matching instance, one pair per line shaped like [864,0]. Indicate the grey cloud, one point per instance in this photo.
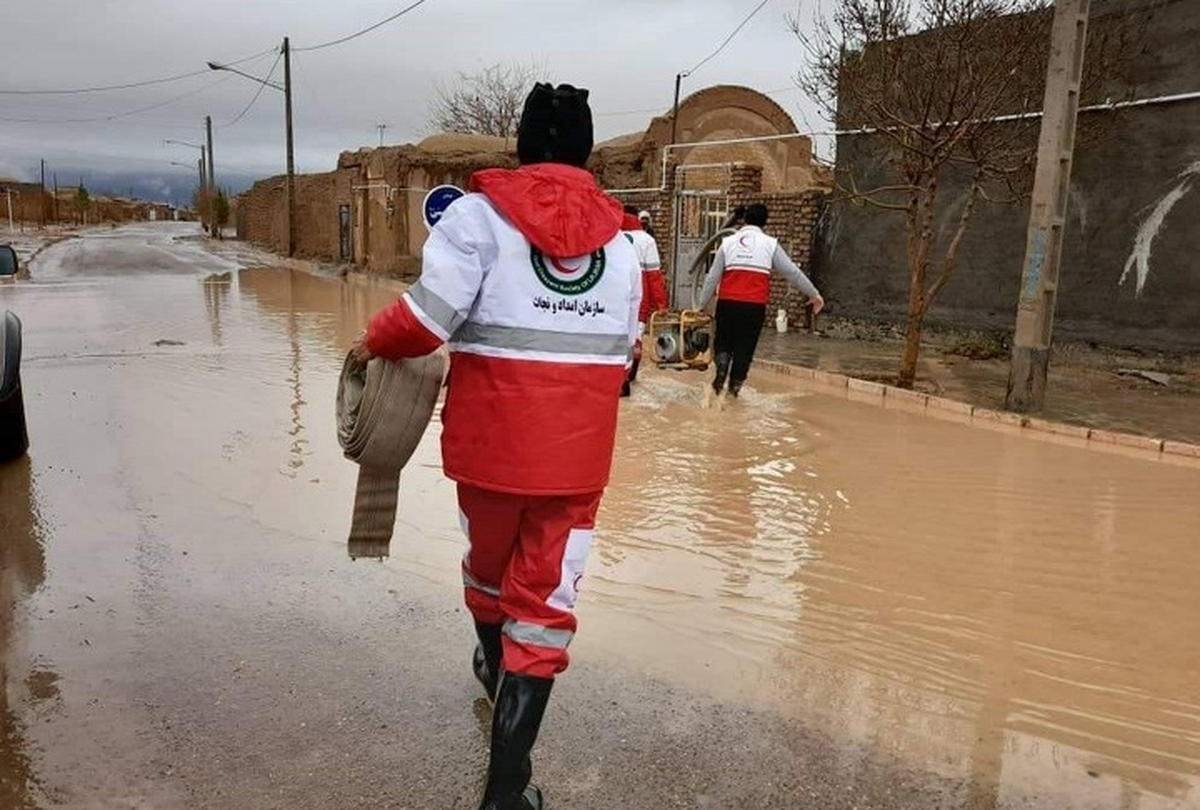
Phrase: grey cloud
[626,51]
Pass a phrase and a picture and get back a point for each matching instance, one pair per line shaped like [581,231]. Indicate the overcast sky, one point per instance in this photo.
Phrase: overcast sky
[626,52]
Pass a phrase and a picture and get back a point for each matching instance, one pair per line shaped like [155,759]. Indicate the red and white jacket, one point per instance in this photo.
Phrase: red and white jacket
[537,292]
[741,269]
[654,287]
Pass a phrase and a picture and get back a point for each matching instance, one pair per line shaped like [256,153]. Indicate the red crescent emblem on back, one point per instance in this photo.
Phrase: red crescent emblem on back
[742,240]
[566,271]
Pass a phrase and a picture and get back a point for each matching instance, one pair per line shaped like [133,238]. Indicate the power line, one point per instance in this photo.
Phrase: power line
[366,30]
[617,113]
[115,116]
[129,86]
[728,39]
[257,93]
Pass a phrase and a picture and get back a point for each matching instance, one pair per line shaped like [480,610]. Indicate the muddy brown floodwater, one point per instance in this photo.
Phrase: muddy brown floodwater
[795,601]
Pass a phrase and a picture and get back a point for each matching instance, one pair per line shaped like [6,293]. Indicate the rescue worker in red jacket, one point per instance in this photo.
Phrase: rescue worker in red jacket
[740,277]
[531,282]
[654,288]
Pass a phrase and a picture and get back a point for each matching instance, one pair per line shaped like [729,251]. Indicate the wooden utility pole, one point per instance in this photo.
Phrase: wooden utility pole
[203,179]
[212,183]
[291,153]
[1047,216]
[42,199]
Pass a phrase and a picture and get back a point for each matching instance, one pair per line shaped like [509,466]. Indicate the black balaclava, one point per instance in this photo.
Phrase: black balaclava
[556,126]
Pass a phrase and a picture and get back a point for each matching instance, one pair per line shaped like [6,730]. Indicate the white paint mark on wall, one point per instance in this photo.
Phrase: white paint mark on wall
[1079,205]
[1143,242]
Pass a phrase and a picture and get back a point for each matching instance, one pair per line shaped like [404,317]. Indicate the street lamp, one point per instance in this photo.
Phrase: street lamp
[199,165]
[203,176]
[183,143]
[286,89]
[206,181]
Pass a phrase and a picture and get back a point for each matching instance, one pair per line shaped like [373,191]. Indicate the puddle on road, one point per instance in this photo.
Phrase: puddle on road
[22,571]
[1012,612]
[984,604]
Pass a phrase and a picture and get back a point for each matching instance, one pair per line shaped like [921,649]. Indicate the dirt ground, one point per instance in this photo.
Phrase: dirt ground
[1089,385]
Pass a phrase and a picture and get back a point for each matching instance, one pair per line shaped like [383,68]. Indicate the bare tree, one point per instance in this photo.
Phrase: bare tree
[951,90]
[488,102]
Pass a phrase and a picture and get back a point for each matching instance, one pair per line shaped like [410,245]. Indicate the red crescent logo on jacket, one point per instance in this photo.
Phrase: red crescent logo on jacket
[742,240]
[562,268]
[562,278]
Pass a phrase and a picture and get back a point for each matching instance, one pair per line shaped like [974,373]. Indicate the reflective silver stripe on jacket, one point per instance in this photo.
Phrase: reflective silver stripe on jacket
[475,585]
[518,338]
[438,310]
[525,633]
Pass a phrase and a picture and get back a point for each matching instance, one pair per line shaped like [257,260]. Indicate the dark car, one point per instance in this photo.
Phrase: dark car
[8,261]
[14,439]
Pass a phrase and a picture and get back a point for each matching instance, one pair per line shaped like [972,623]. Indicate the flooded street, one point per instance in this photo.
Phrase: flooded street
[797,601]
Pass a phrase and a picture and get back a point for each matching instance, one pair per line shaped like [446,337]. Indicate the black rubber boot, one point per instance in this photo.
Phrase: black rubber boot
[724,360]
[486,661]
[735,386]
[520,704]
[637,361]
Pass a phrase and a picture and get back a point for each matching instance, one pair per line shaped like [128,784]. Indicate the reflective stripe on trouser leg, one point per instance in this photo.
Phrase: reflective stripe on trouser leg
[540,588]
[490,520]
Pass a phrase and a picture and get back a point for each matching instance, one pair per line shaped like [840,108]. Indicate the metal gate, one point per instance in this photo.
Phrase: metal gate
[698,215]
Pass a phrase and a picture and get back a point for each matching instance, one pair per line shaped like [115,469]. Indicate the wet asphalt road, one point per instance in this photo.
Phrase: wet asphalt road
[183,626]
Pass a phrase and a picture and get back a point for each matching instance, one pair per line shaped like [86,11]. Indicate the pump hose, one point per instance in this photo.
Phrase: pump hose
[383,409]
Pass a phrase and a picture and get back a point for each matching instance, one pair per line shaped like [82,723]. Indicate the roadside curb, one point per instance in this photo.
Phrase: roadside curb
[887,396]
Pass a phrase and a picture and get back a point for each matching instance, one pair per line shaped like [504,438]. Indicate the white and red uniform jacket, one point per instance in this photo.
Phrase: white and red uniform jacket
[741,269]
[537,292]
[654,287]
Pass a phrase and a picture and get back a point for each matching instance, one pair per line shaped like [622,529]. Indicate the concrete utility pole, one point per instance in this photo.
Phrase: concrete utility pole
[675,107]
[42,199]
[291,148]
[1043,247]
[291,151]
[212,183]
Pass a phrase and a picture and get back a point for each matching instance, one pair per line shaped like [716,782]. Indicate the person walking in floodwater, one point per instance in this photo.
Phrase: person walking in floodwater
[531,282]
[654,288]
[740,277]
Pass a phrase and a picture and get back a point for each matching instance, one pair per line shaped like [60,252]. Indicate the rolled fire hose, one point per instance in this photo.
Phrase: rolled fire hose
[383,409]
[14,438]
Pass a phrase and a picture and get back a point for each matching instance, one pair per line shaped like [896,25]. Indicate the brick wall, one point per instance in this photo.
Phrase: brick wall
[28,199]
[262,214]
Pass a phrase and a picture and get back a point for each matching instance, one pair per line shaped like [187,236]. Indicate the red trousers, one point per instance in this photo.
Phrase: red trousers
[522,570]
